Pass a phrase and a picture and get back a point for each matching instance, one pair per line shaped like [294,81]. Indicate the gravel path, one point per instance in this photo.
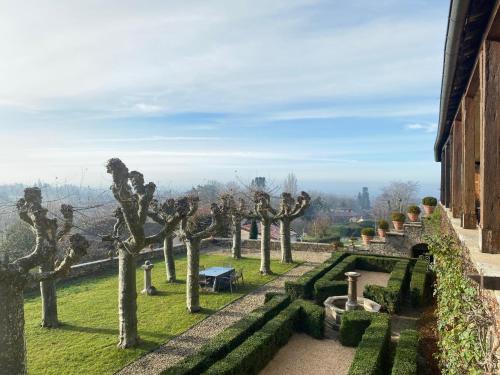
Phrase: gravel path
[371,278]
[305,355]
[190,341]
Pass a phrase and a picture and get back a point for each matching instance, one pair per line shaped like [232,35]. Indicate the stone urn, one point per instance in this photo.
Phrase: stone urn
[381,232]
[412,217]
[398,225]
[429,210]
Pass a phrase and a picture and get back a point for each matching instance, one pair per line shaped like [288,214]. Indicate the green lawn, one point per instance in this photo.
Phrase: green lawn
[88,309]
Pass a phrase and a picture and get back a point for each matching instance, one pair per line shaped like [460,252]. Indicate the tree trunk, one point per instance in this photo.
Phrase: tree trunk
[192,278]
[168,251]
[265,248]
[12,343]
[236,249]
[49,297]
[286,247]
[127,300]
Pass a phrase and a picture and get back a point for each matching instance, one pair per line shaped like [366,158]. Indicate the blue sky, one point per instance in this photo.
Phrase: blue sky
[343,94]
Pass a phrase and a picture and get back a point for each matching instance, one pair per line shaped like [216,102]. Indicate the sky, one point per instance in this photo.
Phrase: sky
[343,94]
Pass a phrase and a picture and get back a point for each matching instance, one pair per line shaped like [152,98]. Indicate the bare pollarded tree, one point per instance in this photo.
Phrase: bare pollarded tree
[236,211]
[15,275]
[192,235]
[169,215]
[134,199]
[290,209]
[266,215]
[51,234]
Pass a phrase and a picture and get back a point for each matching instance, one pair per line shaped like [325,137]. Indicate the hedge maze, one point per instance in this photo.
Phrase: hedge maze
[249,344]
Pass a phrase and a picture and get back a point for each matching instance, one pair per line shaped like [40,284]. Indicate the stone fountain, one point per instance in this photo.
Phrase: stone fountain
[336,306]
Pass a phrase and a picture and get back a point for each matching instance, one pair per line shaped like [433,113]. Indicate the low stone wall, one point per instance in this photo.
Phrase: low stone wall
[296,246]
[98,267]
[398,243]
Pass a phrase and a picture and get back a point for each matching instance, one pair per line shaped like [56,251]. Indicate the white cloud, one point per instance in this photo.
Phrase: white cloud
[222,56]
[426,127]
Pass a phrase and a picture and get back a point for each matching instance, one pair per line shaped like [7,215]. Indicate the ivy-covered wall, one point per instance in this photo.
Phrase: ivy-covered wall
[466,314]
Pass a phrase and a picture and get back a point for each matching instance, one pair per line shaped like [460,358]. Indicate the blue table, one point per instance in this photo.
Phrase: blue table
[217,274]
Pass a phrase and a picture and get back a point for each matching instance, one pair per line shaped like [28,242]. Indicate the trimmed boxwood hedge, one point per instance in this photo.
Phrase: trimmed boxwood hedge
[372,355]
[391,296]
[353,326]
[303,287]
[420,283]
[312,319]
[230,338]
[333,282]
[255,352]
[405,359]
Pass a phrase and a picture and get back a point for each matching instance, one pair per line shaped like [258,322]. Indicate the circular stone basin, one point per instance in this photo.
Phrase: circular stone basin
[335,307]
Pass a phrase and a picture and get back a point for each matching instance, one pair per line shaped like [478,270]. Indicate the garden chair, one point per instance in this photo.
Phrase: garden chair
[238,275]
[231,280]
[203,281]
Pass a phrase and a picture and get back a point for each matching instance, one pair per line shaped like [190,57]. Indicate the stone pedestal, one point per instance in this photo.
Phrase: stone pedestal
[352,293]
[148,288]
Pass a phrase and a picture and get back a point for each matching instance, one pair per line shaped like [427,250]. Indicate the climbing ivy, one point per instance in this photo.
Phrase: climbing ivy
[462,318]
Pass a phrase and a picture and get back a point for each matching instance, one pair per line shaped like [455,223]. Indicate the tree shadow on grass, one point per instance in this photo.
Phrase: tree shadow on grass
[108,331]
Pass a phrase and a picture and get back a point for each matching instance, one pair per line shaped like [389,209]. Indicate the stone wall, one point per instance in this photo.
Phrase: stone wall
[296,246]
[99,267]
[398,243]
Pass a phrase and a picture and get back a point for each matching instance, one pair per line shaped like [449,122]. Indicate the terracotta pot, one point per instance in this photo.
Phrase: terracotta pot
[413,217]
[366,239]
[429,209]
[398,225]
[381,232]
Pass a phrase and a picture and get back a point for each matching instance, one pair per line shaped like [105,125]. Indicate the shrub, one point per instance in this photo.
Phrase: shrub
[353,326]
[312,319]
[462,316]
[376,263]
[333,282]
[371,357]
[430,201]
[414,210]
[257,350]
[368,232]
[420,283]
[398,216]
[383,224]
[303,287]
[254,230]
[230,338]
[390,297]
[405,359]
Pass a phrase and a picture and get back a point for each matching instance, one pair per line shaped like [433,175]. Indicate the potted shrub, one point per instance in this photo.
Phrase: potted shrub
[398,220]
[367,235]
[382,228]
[413,213]
[430,204]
